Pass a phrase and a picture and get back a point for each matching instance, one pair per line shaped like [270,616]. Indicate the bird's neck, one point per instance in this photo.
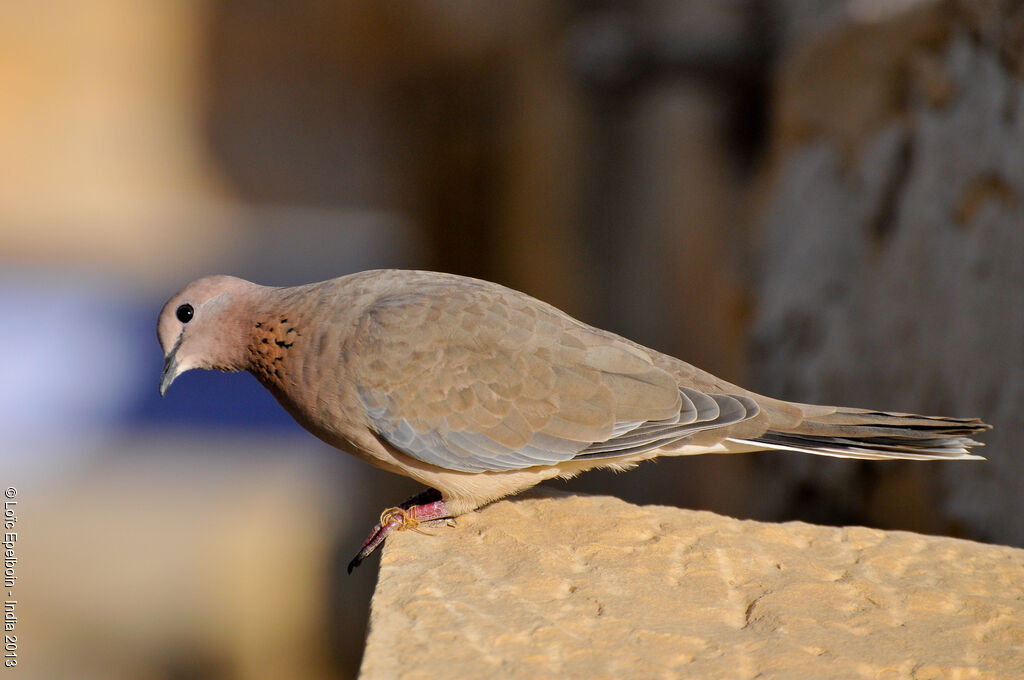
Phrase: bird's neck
[271,337]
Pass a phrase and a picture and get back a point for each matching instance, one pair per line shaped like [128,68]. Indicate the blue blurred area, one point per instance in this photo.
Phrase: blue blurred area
[210,399]
[86,367]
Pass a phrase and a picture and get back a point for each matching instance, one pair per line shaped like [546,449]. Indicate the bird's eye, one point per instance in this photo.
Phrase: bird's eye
[185,313]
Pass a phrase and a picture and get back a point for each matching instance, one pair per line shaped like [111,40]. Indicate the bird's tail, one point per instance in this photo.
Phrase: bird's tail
[876,435]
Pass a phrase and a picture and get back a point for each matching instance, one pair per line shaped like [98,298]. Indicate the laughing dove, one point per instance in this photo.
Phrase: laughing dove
[479,391]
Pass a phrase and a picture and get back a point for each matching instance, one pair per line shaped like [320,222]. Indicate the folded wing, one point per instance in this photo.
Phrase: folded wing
[482,380]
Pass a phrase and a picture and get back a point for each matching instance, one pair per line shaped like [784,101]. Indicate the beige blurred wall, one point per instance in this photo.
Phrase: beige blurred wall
[102,159]
[174,556]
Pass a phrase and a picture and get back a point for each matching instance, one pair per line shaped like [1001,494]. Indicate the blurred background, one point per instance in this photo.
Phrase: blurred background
[818,199]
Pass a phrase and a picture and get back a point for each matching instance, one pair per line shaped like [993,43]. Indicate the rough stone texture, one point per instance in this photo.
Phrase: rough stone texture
[560,586]
[891,242]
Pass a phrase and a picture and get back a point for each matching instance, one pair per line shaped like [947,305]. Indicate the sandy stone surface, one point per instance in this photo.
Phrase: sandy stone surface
[561,586]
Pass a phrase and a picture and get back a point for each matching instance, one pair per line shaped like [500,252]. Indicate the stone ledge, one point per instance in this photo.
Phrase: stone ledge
[563,586]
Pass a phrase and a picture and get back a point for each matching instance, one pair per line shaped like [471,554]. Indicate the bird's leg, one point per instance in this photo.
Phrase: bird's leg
[426,507]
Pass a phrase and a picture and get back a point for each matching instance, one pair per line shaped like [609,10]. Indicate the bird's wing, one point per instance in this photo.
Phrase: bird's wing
[480,378]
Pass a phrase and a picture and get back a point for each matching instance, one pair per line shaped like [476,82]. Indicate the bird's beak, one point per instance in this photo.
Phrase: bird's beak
[171,370]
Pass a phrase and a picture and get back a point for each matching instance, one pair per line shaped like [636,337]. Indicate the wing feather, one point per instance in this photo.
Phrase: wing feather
[487,379]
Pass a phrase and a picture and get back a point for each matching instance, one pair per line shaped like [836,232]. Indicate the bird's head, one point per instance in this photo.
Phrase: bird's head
[203,326]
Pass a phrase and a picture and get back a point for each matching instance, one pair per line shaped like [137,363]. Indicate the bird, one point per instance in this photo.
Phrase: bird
[478,391]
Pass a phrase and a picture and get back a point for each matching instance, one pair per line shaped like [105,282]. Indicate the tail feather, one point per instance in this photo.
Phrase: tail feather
[877,435]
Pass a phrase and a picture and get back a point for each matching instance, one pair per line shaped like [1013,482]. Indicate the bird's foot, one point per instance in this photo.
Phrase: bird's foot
[405,519]
[425,508]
